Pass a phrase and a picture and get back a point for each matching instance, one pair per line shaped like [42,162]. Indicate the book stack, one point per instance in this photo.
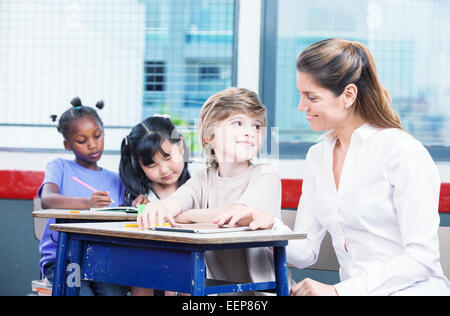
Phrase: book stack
[126,209]
[41,287]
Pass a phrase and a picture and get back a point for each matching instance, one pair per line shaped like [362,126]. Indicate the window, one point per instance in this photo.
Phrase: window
[409,41]
[209,73]
[139,56]
[202,77]
[195,44]
[54,50]
[154,76]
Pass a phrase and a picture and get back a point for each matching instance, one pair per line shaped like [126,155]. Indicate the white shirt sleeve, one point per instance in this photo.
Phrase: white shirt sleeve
[304,253]
[416,185]
[263,192]
[191,194]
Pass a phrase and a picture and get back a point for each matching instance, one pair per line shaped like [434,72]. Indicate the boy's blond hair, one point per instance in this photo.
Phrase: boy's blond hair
[221,106]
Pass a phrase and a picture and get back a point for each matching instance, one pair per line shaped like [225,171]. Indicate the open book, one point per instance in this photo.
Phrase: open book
[126,209]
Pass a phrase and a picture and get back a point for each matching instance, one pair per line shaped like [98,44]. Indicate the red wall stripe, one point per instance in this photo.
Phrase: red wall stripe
[23,185]
[291,191]
[444,199]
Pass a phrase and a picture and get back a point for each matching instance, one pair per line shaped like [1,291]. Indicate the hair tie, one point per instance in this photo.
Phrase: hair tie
[166,116]
[146,128]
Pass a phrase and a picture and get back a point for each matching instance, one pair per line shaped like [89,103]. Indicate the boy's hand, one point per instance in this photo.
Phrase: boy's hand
[100,199]
[246,216]
[155,213]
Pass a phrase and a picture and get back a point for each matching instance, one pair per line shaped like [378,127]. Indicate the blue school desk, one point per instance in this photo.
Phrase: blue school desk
[113,253]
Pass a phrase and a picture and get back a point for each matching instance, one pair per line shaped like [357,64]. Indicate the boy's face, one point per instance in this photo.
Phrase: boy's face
[238,138]
[86,140]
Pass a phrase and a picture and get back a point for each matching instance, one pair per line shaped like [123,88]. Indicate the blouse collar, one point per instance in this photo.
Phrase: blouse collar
[364,132]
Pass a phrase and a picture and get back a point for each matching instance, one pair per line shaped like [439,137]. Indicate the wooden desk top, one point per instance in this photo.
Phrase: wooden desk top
[85,215]
[118,229]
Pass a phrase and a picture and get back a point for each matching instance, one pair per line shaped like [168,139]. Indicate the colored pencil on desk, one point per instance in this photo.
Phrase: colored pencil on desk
[130,225]
[86,185]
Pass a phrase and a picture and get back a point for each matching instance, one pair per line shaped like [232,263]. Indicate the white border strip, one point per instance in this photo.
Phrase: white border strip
[249,44]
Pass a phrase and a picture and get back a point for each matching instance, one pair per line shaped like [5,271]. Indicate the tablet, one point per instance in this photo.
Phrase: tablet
[202,228]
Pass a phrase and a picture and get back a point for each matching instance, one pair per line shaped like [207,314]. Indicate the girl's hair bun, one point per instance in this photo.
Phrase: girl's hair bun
[100,105]
[77,111]
[76,102]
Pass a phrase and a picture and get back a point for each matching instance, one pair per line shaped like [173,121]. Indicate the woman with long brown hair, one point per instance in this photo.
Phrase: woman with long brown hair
[368,182]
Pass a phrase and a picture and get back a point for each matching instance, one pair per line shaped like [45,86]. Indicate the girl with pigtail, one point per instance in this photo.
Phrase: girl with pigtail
[83,134]
[153,165]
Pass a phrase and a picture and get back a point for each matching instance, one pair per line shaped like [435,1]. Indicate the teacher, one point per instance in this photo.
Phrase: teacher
[368,182]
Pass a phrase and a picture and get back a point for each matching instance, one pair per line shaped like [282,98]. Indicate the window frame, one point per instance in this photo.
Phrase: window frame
[269,32]
[31,132]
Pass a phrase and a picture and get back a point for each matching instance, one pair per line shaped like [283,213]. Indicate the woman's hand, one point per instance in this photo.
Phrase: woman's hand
[141,199]
[99,199]
[241,215]
[310,287]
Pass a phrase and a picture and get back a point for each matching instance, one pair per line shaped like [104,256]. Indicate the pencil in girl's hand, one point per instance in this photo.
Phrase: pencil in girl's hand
[86,186]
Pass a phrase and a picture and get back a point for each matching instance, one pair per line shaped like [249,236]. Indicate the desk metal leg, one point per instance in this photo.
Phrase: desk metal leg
[281,275]
[198,273]
[76,253]
[61,253]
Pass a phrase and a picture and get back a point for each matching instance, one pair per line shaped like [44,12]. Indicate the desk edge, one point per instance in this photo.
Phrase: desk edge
[175,239]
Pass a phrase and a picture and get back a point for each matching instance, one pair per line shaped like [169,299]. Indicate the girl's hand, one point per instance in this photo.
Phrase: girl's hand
[241,215]
[99,199]
[155,213]
[141,199]
[310,287]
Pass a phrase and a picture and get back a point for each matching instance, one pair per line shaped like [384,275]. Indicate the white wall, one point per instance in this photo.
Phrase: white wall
[249,45]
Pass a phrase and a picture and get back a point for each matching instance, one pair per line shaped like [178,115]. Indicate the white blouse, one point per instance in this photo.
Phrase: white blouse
[383,219]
